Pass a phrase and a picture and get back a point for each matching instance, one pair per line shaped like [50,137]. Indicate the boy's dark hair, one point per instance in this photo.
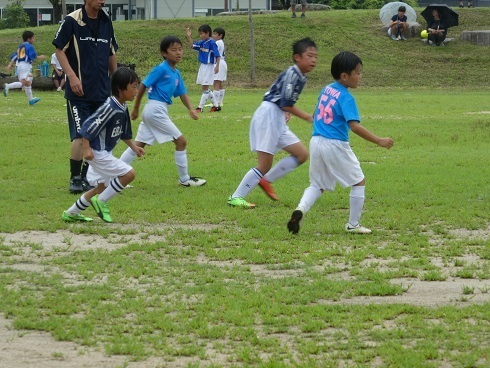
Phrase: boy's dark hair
[206,28]
[121,78]
[27,34]
[402,9]
[344,62]
[220,31]
[169,41]
[300,47]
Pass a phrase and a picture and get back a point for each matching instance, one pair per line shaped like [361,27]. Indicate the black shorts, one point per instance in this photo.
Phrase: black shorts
[55,76]
[78,112]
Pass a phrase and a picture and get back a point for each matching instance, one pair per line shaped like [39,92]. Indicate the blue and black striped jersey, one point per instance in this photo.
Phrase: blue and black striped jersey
[107,126]
[285,91]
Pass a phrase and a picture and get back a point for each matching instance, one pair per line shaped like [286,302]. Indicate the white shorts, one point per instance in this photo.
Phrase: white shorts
[268,130]
[156,125]
[105,167]
[333,161]
[24,71]
[223,71]
[205,76]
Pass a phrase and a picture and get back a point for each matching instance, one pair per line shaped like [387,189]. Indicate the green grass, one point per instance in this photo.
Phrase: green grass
[182,277]
[386,63]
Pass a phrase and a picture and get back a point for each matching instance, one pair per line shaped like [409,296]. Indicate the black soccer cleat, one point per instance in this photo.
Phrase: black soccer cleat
[293,224]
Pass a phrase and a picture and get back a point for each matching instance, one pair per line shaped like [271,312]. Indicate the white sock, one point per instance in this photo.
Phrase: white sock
[356,204]
[180,158]
[14,85]
[217,95]
[282,168]
[222,95]
[310,196]
[28,91]
[115,187]
[249,181]
[212,98]
[204,98]
[128,156]
[80,205]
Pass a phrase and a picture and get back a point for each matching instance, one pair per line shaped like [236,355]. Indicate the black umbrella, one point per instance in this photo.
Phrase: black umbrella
[447,15]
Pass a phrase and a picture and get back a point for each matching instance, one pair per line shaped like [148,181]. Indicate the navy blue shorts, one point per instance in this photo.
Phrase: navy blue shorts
[79,111]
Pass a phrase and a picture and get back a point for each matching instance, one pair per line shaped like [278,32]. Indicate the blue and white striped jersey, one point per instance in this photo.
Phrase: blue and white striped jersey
[88,44]
[285,91]
[208,51]
[106,126]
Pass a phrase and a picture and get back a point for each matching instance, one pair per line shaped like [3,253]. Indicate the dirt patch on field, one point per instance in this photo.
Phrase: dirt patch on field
[24,349]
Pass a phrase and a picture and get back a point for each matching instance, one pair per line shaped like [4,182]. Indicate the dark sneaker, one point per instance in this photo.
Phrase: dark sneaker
[198,109]
[303,15]
[101,208]
[293,224]
[86,185]
[76,185]
[72,218]
[294,15]
[193,181]
[215,108]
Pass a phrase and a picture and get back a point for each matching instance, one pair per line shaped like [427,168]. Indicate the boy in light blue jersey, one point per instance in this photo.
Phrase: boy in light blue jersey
[164,83]
[269,131]
[332,160]
[100,134]
[23,58]
[209,59]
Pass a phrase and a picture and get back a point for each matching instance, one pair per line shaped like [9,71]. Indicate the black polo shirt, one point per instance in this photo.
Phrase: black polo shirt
[88,44]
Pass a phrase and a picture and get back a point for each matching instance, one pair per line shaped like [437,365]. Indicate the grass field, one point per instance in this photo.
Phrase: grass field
[182,280]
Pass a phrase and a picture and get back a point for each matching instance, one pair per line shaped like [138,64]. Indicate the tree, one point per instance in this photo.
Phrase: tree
[57,10]
[14,16]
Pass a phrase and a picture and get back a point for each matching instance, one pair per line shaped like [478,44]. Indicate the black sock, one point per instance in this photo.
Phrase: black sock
[75,167]
[84,169]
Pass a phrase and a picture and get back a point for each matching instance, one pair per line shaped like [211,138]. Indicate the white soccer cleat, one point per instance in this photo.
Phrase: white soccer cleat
[358,229]
[193,181]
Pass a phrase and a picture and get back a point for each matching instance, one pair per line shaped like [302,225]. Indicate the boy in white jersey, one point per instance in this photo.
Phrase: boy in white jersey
[23,57]
[220,77]
[331,158]
[100,134]
[164,82]
[269,131]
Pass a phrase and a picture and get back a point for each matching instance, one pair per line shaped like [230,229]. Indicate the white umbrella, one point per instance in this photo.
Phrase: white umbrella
[390,9]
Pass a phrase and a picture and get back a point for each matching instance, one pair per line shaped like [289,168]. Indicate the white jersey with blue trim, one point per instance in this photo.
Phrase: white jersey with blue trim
[285,91]
[107,126]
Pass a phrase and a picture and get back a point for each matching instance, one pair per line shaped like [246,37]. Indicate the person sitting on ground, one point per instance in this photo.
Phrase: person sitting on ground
[398,26]
[436,29]
[58,73]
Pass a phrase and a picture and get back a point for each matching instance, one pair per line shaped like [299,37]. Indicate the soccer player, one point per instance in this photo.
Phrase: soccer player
[269,131]
[332,159]
[220,77]
[23,57]
[100,134]
[164,82]
[86,49]
[209,59]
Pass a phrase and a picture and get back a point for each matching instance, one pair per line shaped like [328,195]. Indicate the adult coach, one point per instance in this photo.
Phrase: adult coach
[86,49]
